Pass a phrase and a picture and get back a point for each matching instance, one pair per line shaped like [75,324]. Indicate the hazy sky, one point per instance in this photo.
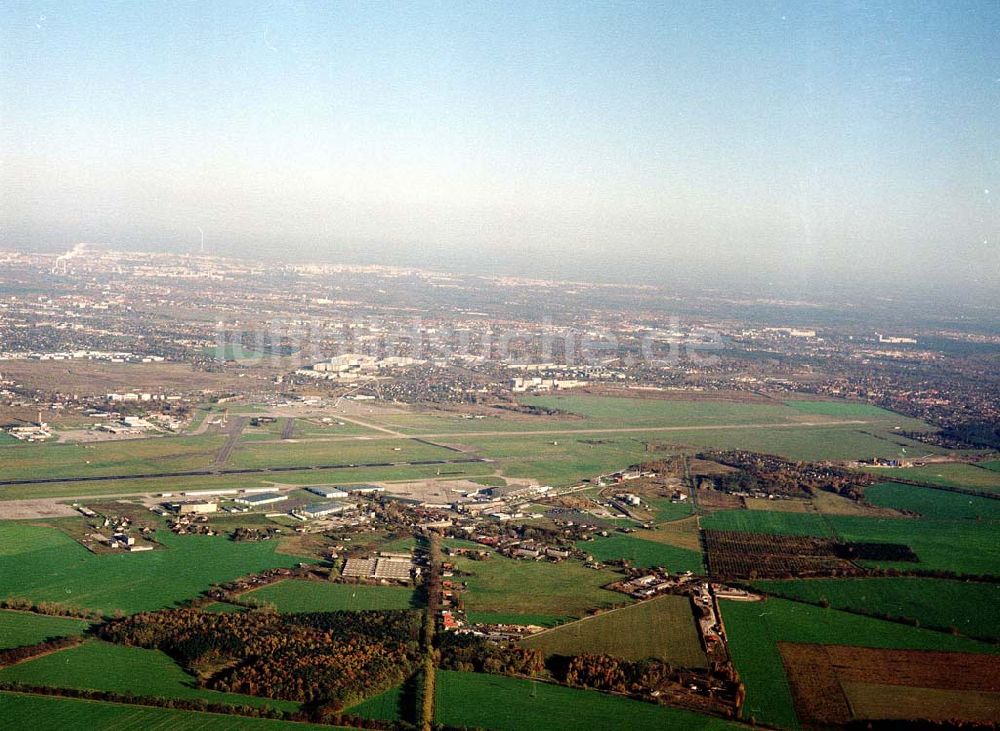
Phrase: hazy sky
[786,138]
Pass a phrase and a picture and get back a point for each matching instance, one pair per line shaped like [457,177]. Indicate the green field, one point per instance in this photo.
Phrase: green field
[25,628]
[355,451]
[662,628]
[933,504]
[953,474]
[390,705]
[45,713]
[97,665]
[845,410]
[511,704]
[556,590]
[972,608]
[963,546]
[222,608]
[131,456]
[755,628]
[44,564]
[767,521]
[299,595]
[643,553]
[993,465]
[541,620]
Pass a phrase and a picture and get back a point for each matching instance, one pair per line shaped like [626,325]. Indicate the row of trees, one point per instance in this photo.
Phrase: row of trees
[14,655]
[54,609]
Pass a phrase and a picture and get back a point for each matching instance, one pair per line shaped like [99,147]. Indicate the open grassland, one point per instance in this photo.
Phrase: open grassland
[971,608]
[933,504]
[680,533]
[129,456]
[952,474]
[511,704]
[299,595]
[643,553]
[556,590]
[290,452]
[97,665]
[561,460]
[991,465]
[755,628]
[45,713]
[811,443]
[782,506]
[662,628]
[24,628]
[44,564]
[617,412]
[845,410]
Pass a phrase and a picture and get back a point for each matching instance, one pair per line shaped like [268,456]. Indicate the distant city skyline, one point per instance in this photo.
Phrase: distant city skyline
[753,141]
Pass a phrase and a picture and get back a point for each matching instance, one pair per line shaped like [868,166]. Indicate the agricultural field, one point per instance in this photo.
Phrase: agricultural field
[643,553]
[661,628]
[98,665]
[953,474]
[555,590]
[300,595]
[25,628]
[44,564]
[746,554]
[962,546]
[47,713]
[965,547]
[755,628]
[933,504]
[836,684]
[396,704]
[511,704]
[680,533]
[970,608]
[771,521]
[127,456]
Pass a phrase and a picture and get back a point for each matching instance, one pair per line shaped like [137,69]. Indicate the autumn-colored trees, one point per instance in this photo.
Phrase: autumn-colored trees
[334,658]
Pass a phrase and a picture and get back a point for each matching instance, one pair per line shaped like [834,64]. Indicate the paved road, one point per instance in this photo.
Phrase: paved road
[570,432]
[236,425]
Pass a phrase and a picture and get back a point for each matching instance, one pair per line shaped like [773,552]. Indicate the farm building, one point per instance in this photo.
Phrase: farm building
[365,489]
[327,492]
[265,498]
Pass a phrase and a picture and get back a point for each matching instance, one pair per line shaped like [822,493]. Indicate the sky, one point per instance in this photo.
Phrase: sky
[772,141]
